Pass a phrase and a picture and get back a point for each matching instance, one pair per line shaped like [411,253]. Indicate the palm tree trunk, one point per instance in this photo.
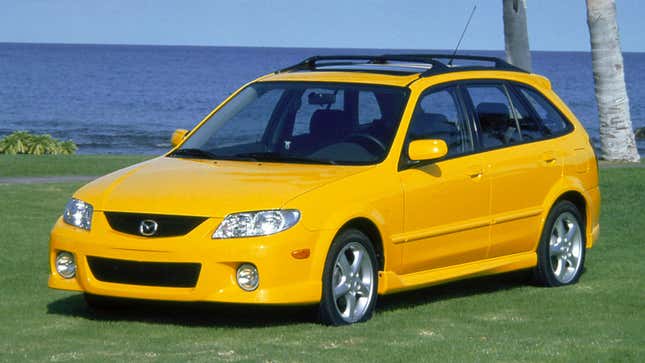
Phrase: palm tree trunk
[516,37]
[617,140]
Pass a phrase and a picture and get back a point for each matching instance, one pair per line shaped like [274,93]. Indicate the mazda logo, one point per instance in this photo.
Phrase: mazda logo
[148,227]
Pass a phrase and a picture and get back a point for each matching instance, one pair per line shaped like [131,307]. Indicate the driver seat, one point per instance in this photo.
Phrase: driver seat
[325,127]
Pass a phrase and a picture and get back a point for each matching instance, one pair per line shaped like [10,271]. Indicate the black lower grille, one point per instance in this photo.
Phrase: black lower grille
[165,225]
[144,273]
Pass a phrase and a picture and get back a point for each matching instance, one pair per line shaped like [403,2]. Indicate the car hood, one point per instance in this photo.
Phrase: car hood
[207,188]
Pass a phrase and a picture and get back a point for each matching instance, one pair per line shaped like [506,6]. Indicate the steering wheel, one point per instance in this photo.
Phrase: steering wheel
[368,141]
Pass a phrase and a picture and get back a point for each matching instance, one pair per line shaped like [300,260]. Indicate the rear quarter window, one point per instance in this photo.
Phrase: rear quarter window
[551,118]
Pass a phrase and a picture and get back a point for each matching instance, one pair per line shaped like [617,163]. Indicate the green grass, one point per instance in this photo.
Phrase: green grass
[46,165]
[499,318]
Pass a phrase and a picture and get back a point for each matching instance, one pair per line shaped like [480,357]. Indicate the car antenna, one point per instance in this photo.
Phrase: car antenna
[462,35]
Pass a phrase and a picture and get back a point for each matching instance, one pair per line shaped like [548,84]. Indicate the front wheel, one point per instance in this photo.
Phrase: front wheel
[350,280]
[561,253]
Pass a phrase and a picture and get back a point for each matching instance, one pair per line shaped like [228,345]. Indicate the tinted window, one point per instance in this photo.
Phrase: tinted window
[550,117]
[493,109]
[530,128]
[438,116]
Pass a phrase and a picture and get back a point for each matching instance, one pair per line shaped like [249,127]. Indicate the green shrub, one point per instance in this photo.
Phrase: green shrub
[22,142]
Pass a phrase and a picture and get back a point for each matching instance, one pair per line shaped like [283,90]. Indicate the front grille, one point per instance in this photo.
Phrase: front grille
[167,225]
[144,273]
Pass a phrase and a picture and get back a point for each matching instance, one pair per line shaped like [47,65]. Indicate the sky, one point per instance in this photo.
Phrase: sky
[387,24]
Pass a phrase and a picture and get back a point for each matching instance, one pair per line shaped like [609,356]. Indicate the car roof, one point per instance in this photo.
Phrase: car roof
[388,69]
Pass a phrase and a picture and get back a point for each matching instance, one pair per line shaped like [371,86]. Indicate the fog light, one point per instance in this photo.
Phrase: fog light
[65,265]
[247,277]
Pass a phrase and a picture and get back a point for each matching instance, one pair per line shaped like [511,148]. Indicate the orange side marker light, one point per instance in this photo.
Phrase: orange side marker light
[301,254]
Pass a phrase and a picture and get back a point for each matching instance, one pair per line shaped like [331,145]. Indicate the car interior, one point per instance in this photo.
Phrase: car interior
[497,126]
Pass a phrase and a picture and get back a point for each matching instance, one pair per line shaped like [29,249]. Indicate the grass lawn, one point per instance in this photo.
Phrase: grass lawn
[602,318]
[45,165]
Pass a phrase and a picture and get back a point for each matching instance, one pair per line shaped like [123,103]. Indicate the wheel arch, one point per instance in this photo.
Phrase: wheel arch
[578,200]
[370,229]
[571,189]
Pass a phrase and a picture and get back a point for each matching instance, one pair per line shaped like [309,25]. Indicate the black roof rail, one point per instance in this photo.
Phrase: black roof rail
[498,63]
[437,66]
[341,60]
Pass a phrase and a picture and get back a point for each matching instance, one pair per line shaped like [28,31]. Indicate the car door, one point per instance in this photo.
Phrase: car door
[446,201]
[522,165]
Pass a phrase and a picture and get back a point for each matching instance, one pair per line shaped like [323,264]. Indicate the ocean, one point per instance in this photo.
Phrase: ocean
[127,99]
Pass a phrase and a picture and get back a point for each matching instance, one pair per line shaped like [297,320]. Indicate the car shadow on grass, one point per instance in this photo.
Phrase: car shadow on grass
[253,316]
[457,289]
[186,313]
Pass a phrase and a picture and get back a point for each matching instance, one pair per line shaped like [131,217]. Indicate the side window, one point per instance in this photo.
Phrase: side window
[307,109]
[368,108]
[496,115]
[549,116]
[438,116]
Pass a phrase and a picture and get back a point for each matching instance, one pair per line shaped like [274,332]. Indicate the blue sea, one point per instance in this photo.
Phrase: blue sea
[127,99]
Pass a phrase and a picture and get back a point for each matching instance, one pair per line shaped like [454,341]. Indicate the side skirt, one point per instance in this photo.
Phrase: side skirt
[390,282]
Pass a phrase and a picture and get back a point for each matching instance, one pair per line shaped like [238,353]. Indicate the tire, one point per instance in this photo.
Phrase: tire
[562,249]
[350,280]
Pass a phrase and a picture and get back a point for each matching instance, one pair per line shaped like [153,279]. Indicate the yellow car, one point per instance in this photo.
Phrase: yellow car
[339,179]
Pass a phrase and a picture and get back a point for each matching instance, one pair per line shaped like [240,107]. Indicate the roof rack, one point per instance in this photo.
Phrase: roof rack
[433,60]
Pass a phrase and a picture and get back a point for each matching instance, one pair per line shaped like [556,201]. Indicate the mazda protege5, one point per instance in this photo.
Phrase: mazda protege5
[340,179]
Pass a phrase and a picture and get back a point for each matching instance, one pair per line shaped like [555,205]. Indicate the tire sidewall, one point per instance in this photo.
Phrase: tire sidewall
[327,310]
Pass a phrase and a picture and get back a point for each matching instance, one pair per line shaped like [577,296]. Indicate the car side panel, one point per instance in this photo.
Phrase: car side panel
[521,178]
[446,214]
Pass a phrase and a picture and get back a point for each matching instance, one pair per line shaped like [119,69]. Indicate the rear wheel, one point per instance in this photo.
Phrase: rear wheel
[350,280]
[561,253]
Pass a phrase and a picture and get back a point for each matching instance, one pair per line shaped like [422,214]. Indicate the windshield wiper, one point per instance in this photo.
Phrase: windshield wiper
[277,157]
[194,153]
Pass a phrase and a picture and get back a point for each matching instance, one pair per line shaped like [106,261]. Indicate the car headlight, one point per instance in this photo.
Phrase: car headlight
[259,223]
[78,214]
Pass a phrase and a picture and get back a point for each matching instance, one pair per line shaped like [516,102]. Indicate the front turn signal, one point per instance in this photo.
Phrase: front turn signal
[300,254]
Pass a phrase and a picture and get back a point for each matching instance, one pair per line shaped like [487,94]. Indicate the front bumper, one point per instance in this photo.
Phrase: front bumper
[283,278]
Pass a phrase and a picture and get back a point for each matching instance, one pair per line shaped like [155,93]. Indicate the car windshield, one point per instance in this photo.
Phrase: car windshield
[302,122]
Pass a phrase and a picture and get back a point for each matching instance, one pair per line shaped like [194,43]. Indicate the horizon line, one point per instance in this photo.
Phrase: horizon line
[284,47]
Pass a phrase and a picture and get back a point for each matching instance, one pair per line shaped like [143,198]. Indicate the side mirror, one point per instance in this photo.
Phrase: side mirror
[178,136]
[429,149]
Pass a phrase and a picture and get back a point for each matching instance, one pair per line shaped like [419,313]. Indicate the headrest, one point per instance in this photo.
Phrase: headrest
[492,109]
[425,124]
[434,118]
[329,122]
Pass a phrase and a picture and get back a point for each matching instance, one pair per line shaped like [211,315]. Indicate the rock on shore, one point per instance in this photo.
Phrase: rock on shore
[640,133]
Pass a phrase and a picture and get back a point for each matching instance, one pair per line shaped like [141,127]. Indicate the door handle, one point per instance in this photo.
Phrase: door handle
[548,157]
[475,171]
